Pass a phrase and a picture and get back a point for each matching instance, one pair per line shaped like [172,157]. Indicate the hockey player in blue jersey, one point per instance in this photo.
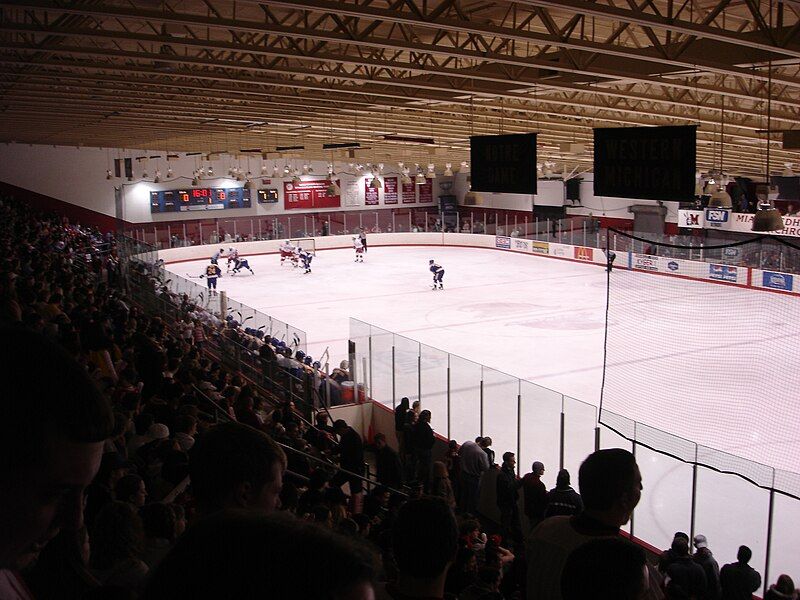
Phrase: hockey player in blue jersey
[241,263]
[306,257]
[438,274]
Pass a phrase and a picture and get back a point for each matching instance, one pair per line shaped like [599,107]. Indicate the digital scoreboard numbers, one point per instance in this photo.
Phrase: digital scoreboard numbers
[199,199]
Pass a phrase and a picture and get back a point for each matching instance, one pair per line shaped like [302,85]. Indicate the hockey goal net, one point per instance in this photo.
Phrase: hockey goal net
[305,244]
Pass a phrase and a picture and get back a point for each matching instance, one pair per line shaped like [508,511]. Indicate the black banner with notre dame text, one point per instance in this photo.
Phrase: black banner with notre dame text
[503,163]
[652,163]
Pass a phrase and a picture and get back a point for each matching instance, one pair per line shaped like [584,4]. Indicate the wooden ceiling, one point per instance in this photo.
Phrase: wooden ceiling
[223,75]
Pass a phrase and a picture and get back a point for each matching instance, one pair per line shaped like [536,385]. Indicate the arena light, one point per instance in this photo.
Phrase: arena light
[333,189]
[158,177]
[169,172]
[720,199]
[448,170]
[108,173]
[767,218]
[375,184]
[431,174]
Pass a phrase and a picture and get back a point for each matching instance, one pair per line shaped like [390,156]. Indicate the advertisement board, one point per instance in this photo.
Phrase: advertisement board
[645,262]
[777,281]
[502,241]
[520,245]
[722,272]
[583,253]
[309,194]
[540,247]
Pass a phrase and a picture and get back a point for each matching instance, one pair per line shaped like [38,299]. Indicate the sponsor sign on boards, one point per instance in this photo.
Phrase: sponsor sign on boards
[716,217]
[520,244]
[583,253]
[777,281]
[559,250]
[722,272]
[502,241]
[540,247]
[673,266]
[645,262]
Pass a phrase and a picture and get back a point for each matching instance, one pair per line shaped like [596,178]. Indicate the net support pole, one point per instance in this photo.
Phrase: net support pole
[370,360]
[633,451]
[561,440]
[770,518]
[394,382]
[693,509]
[448,395]
[519,424]
[481,399]
[597,438]
[419,376]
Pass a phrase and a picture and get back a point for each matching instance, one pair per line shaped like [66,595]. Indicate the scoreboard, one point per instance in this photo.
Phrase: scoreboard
[199,199]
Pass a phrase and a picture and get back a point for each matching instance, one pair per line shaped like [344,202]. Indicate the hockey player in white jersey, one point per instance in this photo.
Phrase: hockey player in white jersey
[296,256]
[233,257]
[359,248]
[438,274]
[287,251]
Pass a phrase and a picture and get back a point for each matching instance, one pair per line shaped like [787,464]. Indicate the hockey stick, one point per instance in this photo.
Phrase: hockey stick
[195,276]
[247,319]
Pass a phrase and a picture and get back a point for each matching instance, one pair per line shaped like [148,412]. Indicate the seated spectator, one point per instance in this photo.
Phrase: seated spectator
[160,525]
[424,542]
[464,571]
[441,486]
[605,569]
[117,541]
[224,556]
[61,571]
[52,429]
[315,492]
[236,466]
[486,586]
[112,468]
[562,499]
[685,578]
[783,589]
[185,430]
[131,489]
[739,580]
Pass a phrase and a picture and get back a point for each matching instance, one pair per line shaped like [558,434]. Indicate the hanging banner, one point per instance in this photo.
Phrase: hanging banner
[309,194]
[655,163]
[390,190]
[370,193]
[503,163]
[350,192]
[426,192]
[409,193]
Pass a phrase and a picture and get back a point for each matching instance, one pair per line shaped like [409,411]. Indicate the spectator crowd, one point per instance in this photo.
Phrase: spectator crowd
[137,462]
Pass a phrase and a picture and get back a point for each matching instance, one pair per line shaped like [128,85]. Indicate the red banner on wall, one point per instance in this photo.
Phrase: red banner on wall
[370,194]
[409,193]
[390,190]
[309,194]
[426,192]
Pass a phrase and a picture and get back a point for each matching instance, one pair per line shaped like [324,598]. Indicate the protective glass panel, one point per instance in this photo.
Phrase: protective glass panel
[666,504]
[359,335]
[785,541]
[406,366]
[500,411]
[580,421]
[433,373]
[465,399]
[732,512]
[610,439]
[382,367]
[540,428]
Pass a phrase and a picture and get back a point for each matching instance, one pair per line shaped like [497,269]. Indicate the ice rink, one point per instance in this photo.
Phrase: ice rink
[542,320]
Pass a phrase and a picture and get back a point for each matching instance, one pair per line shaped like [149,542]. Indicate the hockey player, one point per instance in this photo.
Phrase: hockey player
[233,256]
[212,273]
[296,256]
[359,247]
[306,257]
[287,251]
[216,255]
[241,263]
[438,274]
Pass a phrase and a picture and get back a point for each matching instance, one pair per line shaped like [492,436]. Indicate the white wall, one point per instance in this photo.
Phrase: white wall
[78,175]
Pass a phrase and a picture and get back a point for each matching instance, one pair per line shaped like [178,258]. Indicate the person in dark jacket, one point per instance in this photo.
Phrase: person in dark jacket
[507,497]
[685,578]
[667,556]
[783,589]
[534,494]
[739,580]
[387,463]
[351,458]
[423,444]
[407,457]
[705,559]
[400,422]
[563,500]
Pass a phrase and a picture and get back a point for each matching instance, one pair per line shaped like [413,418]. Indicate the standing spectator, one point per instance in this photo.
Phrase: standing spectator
[705,559]
[408,457]
[473,464]
[441,486]
[485,443]
[668,555]
[507,486]
[160,531]
[363,236]
[739,580]
[453,464]
[185,430]
[399,422]
[782,590]
[387,463]
[52,429]
[534,494]
[236,466]
[131,489]
[424,541]
[685,578]
[605,569]
[423,445]
[611,487]
[562,499]
[351,458]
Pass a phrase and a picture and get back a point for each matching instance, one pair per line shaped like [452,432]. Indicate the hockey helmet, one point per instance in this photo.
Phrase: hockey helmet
[430,262]
[300,355]
[308,360]
[316,365]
